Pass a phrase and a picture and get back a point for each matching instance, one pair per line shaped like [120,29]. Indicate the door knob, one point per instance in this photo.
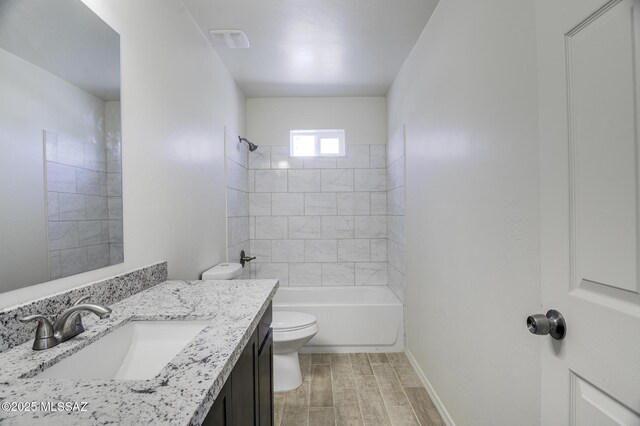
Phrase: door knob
[552,324]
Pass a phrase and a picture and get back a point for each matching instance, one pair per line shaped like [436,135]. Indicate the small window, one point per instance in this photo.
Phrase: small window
[317,143]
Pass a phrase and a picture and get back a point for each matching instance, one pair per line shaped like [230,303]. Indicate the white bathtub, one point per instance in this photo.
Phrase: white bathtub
[351,319]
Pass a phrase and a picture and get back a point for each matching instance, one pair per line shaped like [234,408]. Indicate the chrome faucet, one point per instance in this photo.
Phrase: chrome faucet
[66,326]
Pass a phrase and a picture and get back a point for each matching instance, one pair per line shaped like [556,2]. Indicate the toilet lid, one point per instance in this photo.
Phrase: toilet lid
[290,321]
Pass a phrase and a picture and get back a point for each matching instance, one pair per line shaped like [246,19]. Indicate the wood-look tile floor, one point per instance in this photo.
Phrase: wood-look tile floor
[356,389]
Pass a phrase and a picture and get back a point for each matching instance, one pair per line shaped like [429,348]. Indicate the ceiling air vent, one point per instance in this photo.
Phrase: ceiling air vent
[230,39]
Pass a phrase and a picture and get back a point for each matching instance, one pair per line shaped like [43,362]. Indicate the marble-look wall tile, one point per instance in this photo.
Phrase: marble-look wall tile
[395,201]
[339,180]
[90,232]
[395,253]
[54,265]
[379,250]
[63,235]
[237,203]
[53,207]
[114,184]
[237,176]
[95,158]
[260,158]
[373,273]
[116,234]
[260,204]
[237,230]
[395,174]
[357,157]
[287,251]
[305,227]
[73,261]
[61,178]
[287,204]
[338,274]
[280,159]
[320,163]
[334,227]
[354,250]
[98,256]
[321,250]
[304,180]
[378,156]
[354,203]
[87,182]
[114,160]
[370,180]
[51,145]
[271,228]
[270,181]
[379,203]
[96,207]
[261,249]
[116,253]
[395,281]
[320,204]
[302,274]
[279,271]
[114,207]
[370,226]
[107,292]
[72,206]
[395,229]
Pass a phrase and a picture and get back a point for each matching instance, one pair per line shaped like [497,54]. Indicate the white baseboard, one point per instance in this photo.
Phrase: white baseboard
[446,418]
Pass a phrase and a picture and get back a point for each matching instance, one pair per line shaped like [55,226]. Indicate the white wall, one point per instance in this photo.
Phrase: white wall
[467,94]
[269,120]
[34,100]
[176,98]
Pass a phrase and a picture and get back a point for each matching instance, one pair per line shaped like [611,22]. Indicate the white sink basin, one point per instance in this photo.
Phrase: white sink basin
[138,350]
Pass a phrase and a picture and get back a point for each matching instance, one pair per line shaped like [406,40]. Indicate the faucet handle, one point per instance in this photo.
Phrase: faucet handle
[45,336]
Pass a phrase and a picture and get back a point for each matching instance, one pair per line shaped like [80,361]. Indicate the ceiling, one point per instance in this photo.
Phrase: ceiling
[316,47]
[65,38]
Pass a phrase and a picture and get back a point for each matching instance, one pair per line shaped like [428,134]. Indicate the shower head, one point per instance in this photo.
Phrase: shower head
[252,146]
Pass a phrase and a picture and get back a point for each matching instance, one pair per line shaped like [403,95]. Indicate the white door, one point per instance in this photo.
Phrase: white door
[589,63]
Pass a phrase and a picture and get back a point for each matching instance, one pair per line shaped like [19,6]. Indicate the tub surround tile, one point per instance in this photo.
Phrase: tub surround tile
[116,253]
[88,182]
[370,180]
[321,251]
[371,273]
[285,204]
[338,274]
[259,204]
[237,203]
[183,392]
[63,235]
[261,249]
[261,158]
[379,250]
[357,157]
[354,250]
[354,203]
[304,180]
[53,207]
[268,271]
[61,178]
[280,159]
[378,156]
[108,291]
[320,204]
[339,180]
[370,226]
[96,207]
[271,227]
[270,181]
[237,176]
[287,251]
[305,227]
[334,227]
[379,203]
[305,273]
[320,163]
[72,206]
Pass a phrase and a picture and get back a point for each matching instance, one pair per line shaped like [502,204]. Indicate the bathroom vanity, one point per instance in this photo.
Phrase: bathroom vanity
[222,376]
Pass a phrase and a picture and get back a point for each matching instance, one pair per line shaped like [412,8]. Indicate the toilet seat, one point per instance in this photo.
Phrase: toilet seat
[284,321]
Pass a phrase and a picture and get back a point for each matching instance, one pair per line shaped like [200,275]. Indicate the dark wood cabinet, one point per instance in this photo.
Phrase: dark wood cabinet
[247,396]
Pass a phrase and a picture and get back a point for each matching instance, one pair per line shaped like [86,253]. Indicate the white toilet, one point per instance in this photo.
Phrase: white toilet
[291,331]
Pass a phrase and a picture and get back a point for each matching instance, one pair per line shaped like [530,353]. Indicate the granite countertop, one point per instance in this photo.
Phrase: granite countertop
[181,394]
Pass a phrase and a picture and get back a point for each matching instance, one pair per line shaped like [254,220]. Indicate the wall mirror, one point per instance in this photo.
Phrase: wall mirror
[60,168]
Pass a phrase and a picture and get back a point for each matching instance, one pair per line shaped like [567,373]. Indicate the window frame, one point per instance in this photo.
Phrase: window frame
[319,134]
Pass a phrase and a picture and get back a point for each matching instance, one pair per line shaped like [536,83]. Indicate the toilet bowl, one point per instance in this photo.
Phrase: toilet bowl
[291,331]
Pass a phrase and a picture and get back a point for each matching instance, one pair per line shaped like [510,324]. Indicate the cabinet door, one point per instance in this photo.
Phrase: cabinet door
[265,381]
[220,412]
[244,391]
